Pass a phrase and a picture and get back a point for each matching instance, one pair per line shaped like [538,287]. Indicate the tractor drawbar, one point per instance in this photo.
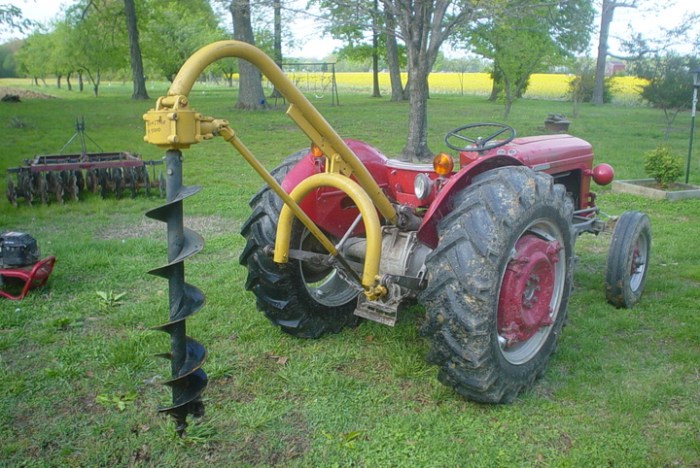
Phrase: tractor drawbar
[186,355]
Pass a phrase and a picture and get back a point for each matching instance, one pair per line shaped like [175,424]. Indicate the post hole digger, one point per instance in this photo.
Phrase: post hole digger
[341,232]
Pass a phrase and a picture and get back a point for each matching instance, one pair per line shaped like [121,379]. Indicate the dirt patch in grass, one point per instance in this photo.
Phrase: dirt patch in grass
[277,447]
[23,93]
[207,226]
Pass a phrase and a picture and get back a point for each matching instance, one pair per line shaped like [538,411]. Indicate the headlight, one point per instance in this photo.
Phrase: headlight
[422,186]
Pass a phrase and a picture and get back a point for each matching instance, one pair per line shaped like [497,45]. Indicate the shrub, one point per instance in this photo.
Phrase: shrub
[581,87]
[663,166]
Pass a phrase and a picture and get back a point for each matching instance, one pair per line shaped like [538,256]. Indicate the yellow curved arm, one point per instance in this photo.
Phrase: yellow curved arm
[173,125]
[312,120]
[363,203]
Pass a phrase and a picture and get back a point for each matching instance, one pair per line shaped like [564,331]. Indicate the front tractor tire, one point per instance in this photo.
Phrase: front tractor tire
[305,301]
[499,283]
[628,258]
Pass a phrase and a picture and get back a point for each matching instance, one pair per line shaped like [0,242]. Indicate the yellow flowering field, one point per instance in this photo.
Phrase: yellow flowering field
[542,86]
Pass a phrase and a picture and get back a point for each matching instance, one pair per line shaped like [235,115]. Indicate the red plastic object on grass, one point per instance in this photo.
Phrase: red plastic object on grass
[32,276]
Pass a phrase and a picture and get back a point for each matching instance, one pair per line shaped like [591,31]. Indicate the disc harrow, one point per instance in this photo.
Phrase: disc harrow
[186,355]
[63,177]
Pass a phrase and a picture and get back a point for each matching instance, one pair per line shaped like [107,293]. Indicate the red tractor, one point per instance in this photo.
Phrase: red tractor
[341,232]
[487,249]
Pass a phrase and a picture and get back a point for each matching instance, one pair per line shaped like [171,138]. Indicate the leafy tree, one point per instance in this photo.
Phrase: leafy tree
[525,36]
[670,86]
[357,24]
[33,58]
[97,39]
[581,86]
[62,56]
[7,58]
[368,32]
[172,30]
[424,26]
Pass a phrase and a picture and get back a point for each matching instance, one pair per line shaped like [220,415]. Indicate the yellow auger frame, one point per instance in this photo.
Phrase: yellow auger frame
[173,125]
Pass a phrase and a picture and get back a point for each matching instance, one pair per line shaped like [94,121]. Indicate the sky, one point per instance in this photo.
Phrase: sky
[648,21]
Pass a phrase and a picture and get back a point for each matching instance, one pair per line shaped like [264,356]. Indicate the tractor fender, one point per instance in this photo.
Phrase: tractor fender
[328,207]
[427,232]
[373,160]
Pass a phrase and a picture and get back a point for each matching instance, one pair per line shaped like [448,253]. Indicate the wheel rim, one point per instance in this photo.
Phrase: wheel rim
[531,292]
[638,264]
[324,284]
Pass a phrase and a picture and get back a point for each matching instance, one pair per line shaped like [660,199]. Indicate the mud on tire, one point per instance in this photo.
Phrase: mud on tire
[485,281]
[303,301]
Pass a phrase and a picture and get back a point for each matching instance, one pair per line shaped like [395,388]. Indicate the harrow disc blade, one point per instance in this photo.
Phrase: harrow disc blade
[39,187]
[130,180]
[55,186]
[70,186]
[25,186]
[91,180]
[10,192]
[104,181]
[80,180]
[118,178]
[147,182]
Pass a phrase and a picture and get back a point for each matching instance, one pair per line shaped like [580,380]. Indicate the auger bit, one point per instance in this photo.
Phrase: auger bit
[173,126]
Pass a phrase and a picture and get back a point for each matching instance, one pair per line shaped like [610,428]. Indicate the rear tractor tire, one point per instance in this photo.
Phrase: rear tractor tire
[499,283]
[628,259]
[305,301]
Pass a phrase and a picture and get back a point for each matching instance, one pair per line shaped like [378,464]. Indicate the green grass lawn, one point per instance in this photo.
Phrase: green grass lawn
[80,386]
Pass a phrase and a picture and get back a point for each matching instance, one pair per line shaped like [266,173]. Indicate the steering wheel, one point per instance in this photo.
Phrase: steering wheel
[478,143]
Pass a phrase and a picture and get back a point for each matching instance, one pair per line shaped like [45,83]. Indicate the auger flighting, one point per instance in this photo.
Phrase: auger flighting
[187,380]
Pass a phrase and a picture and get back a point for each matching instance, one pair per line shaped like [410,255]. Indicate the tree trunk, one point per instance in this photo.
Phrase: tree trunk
[58,80]
[496,86]
[424,28]
[508,96]
[496,90]
[392,58]
[422,41]
[417,142]
[68,83]
[81,84]
[135,52]
[606,17]
[277,39]
[96,82]
[250,91]
[375,53]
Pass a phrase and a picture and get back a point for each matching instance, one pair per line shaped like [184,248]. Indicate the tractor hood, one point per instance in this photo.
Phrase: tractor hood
[547,152]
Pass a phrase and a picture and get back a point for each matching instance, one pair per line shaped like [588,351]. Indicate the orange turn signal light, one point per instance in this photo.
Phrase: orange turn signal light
[443,164]
[316,151]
